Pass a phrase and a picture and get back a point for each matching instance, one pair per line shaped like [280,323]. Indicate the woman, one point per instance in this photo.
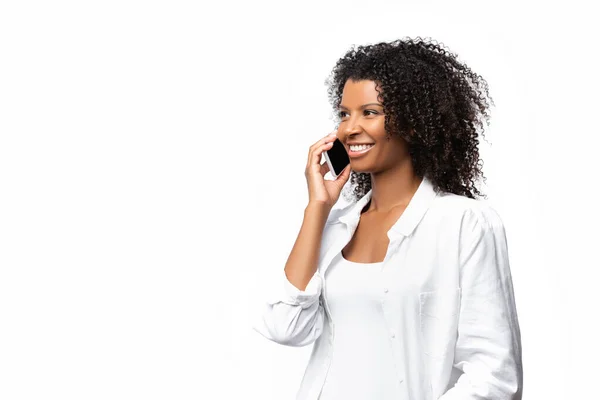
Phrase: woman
[406,292]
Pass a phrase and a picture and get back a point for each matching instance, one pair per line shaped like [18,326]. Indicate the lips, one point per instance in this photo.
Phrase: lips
[355,154]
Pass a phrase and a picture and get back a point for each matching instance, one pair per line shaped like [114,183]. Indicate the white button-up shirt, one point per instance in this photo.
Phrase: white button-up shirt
[449,304]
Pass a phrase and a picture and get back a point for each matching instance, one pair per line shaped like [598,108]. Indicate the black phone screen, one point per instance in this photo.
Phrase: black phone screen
[338,156]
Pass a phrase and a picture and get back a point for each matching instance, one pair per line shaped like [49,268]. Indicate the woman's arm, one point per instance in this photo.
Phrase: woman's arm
[302,262]
[488,348]
[292,315]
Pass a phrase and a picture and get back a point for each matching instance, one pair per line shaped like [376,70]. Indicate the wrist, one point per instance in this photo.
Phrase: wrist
[317,209]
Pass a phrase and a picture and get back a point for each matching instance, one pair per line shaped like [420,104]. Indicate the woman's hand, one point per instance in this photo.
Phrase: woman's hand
[323,191]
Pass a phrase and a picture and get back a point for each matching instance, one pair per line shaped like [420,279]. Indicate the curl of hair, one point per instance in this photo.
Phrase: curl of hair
[431,100]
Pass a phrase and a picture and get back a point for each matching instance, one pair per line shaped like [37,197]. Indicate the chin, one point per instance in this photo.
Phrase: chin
[363,170]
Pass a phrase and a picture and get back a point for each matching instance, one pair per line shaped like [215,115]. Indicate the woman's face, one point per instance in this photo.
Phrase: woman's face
[363,121]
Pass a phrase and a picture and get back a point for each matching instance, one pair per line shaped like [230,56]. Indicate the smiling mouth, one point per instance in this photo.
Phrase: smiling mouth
[358,153]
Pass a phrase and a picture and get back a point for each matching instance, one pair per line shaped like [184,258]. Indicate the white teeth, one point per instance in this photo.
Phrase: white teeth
[360,147]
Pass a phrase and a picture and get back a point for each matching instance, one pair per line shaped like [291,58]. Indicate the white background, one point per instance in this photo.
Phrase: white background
[152,160]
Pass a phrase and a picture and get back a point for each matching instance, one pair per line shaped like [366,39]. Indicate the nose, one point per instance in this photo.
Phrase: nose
[349,127]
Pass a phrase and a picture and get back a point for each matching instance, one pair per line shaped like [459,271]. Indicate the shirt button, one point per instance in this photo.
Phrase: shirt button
[393,335]
[385,290]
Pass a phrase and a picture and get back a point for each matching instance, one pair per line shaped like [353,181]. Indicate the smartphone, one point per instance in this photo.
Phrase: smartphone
[336,158]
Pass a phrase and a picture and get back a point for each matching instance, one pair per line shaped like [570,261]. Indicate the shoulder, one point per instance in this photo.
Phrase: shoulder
[473,226]
[471,213]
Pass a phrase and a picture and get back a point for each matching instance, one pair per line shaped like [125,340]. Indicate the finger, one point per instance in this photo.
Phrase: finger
[343,177]
[315,156]
[324,168]
[329,138]
[347,171]
[317,145]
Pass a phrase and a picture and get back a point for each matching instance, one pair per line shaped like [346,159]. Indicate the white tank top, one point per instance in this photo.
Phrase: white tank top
[362,364]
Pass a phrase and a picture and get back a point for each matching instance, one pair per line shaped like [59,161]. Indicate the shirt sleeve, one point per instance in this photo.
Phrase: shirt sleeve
[303,298]
[291,316]
[488,348]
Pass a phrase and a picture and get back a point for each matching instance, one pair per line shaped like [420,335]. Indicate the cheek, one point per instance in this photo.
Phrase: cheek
[373,126]
[377,127]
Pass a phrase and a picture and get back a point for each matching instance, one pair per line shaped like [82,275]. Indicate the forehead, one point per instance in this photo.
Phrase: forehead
[359,92]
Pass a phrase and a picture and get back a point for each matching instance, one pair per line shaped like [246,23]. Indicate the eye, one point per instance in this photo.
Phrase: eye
[342,114]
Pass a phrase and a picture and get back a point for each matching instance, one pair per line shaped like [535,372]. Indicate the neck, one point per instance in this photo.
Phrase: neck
[393,188]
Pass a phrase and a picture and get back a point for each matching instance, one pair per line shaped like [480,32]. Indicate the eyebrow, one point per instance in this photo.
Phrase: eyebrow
[363,106]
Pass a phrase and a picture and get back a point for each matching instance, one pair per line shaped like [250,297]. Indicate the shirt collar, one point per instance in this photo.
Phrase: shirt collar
[410,218]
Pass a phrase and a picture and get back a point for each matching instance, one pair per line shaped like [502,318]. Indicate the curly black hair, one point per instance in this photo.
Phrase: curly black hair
[431,99]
